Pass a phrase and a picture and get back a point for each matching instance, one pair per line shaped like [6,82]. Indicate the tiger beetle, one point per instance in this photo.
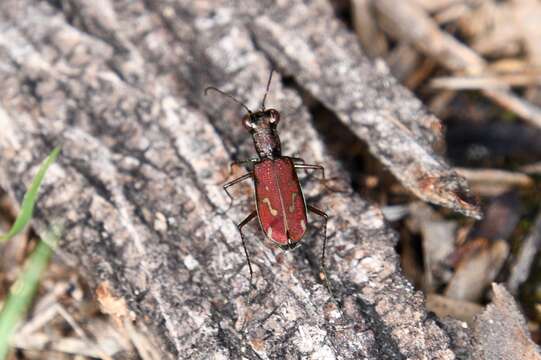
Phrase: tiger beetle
[280,204]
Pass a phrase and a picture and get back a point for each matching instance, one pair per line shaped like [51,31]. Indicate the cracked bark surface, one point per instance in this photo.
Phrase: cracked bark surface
[120,85]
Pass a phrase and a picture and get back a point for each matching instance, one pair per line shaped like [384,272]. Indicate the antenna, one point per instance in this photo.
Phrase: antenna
[229,96]
[266,91]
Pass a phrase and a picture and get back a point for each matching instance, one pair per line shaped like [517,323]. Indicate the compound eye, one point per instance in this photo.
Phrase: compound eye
[247,122]
[274,116]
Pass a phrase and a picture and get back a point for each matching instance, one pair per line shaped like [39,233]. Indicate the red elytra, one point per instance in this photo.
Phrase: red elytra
[280,205]
[279,200]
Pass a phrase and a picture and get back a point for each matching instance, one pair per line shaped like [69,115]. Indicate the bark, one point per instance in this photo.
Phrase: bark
[520,268]
[500,332]
[119,84]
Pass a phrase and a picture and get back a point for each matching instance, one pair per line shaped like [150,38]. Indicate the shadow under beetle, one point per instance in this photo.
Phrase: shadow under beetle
[280,204]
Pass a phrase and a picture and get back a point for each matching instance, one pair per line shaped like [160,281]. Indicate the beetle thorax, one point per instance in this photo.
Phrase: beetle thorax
[266,141]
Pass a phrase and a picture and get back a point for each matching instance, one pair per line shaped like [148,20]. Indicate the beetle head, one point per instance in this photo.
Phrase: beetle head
[267,118]
[262,125]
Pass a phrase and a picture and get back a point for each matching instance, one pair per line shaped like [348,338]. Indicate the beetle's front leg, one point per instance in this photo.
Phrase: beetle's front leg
[297,160]
[241,162]
[237,180]
[312,167]
[233,182]
[239,227]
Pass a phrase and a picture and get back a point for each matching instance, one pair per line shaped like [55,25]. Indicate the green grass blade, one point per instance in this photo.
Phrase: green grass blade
[23,290]
[29,200]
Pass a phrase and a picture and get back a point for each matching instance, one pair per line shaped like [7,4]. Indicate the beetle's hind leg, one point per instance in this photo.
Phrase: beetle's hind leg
[239,227]
[323,268]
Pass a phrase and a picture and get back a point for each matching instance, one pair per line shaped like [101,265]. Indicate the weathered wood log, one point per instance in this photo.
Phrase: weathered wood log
[500,332]
[119,84]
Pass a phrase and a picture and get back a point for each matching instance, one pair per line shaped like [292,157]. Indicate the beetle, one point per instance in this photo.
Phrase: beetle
[280,205]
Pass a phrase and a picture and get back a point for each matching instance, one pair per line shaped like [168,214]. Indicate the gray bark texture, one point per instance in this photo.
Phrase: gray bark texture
[119,85]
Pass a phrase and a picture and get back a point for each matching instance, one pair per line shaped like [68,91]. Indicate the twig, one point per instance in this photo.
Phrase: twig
[374,42]
[495,176]
[69,345]
[532,168]
[403,60]
[485,82]
[520,269]
[458,309]
[452,13]
[477,269]
[433,6]
[145,348]
[403,16]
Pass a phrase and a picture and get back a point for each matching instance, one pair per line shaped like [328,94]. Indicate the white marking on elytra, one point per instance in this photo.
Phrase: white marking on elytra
[273,212]
[303,226]
[292,206]
[269,233]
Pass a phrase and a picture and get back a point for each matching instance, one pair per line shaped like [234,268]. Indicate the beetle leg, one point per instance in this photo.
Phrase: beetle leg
[233,182]
[241,162]
[324,179]
[323,268]
[312,167]
[325,218]
[239,227]
[297,160]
